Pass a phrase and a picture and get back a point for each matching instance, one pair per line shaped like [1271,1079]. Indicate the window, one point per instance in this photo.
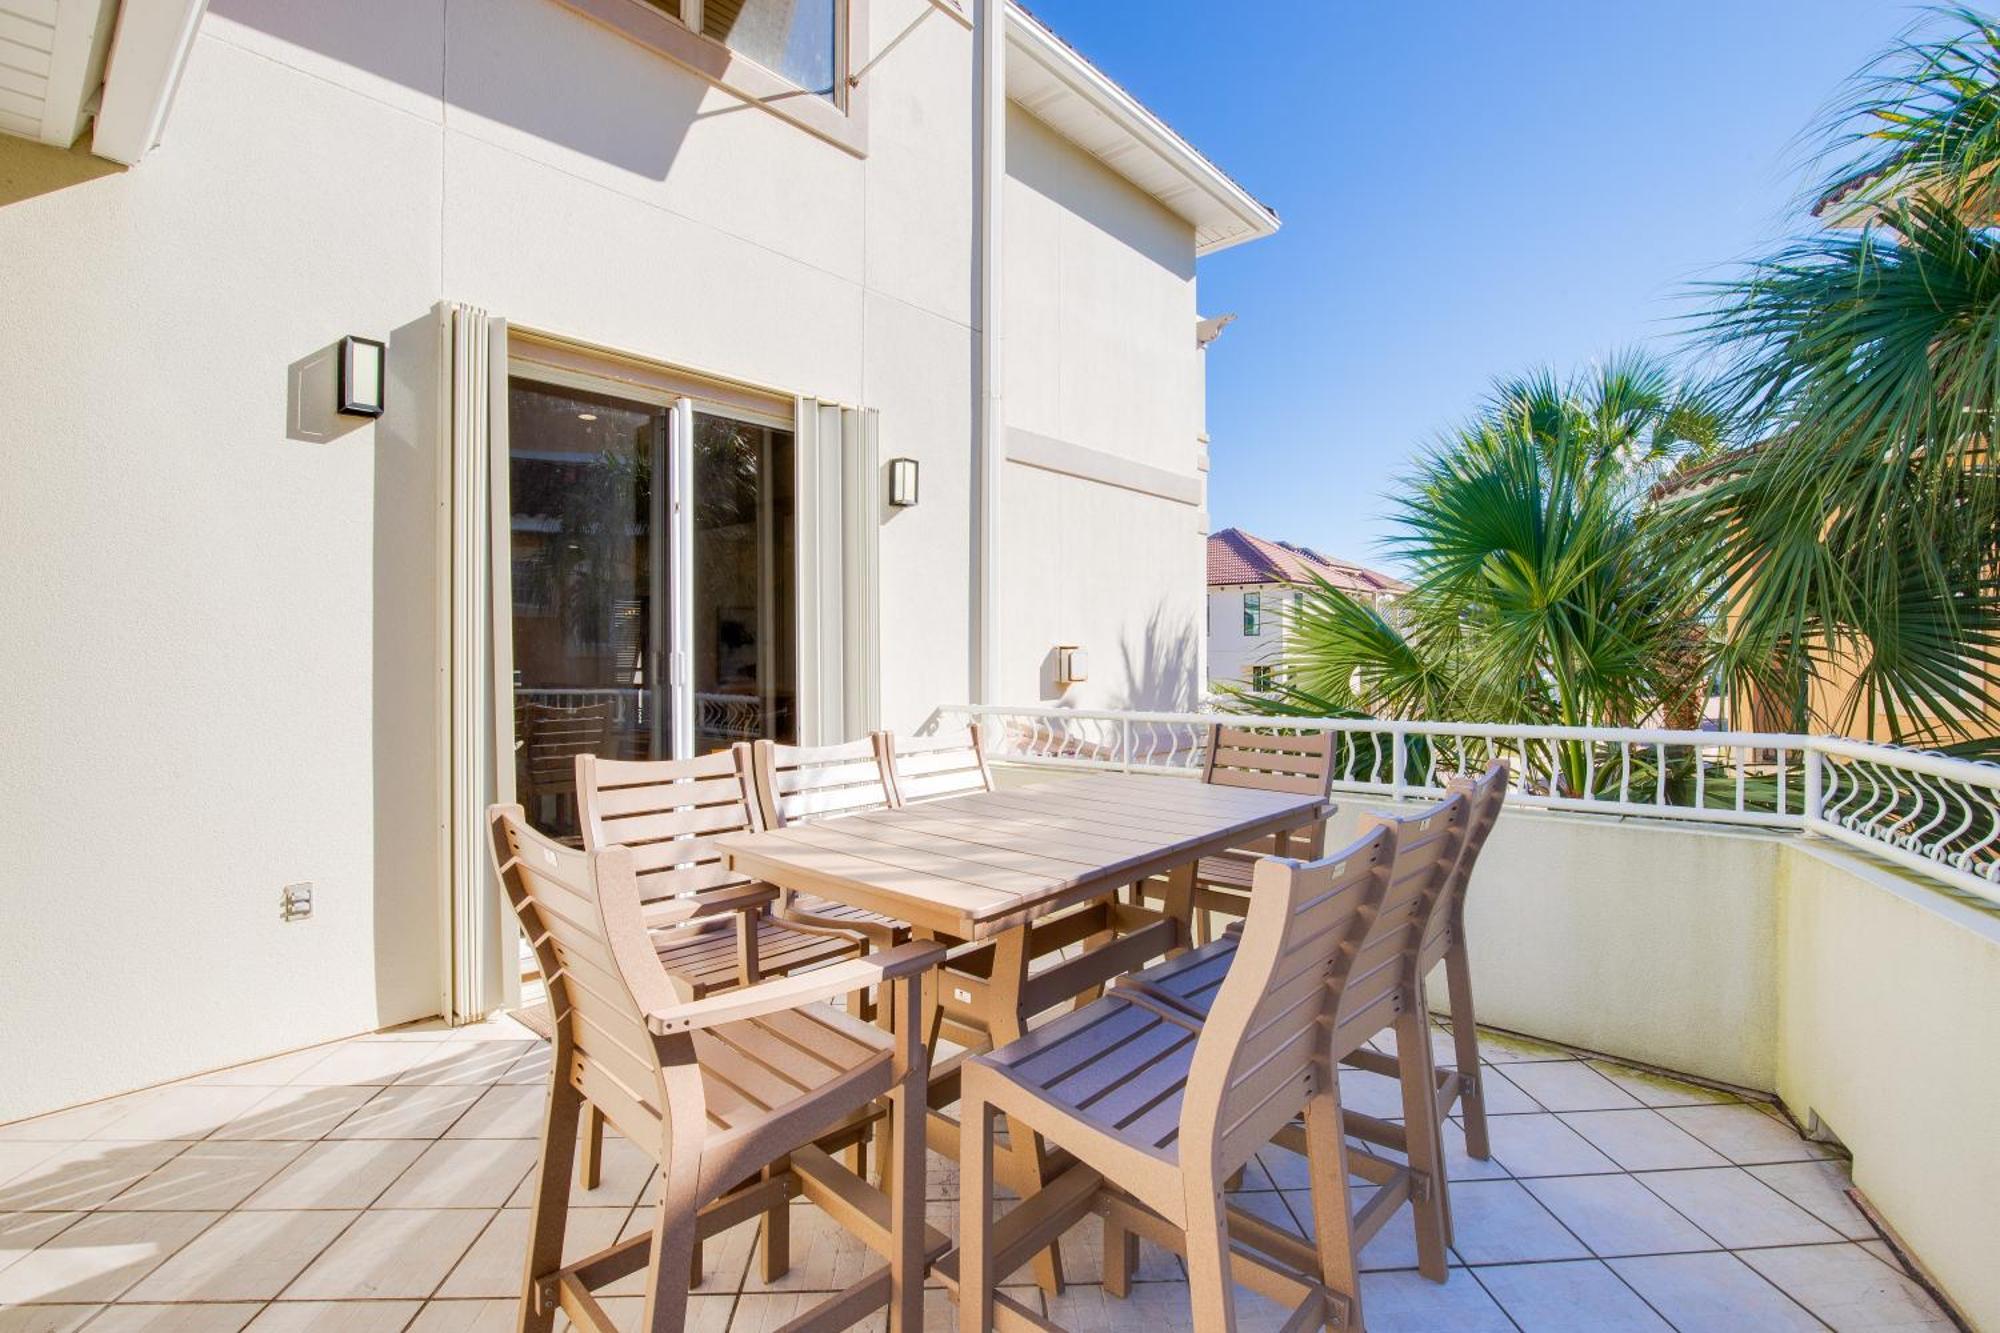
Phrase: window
[1260,678]
[799,40]
[1253,614]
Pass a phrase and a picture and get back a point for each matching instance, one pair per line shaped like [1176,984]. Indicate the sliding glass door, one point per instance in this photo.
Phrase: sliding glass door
[652,561]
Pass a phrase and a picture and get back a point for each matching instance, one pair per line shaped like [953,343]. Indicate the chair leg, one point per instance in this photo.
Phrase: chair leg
[1465,1043]
[590,1162]
[673,1256]
[1332,1202]
[1425,1146]
[975,1222]
[903,1178]
[551,1209]
[1211,1291]
[1121,1258]
[774,1245]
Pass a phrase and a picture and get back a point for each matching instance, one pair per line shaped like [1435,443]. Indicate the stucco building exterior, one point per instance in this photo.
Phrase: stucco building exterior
[660,304]
[1253,581]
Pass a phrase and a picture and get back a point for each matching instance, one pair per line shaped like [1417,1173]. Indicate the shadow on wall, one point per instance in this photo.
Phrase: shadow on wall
[1162,667]
[29,169]
[536,67]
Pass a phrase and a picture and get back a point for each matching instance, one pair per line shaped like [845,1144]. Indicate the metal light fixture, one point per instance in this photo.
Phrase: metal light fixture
[361,377]
[902,482]
[1072,665]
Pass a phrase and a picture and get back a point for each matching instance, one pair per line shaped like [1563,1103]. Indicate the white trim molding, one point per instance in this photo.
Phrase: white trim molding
[148,54]
[1075,460]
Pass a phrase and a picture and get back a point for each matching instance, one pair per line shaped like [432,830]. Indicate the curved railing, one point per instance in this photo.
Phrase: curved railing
[1928,812]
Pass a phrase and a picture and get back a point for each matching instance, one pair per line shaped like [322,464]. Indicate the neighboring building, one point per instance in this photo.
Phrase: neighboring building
[1251,581]
[657,318]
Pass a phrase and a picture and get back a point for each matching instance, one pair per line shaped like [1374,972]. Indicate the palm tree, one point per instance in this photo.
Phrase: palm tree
[1544,585]
[1860,539]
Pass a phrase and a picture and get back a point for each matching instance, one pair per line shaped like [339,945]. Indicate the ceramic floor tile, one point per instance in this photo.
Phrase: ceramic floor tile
[627,1173]
[1658,1089]
[45,1318]
[1499,1222]
[99,1257]
[1848,1287]
[350,1173]
[391,1254]
[492,1267]
[244,1257]
[69,1126]
[1713,1291]
[1736,1208]
[176,1318]
[20,1233]
[85,1175]
[1569,1085]
[1542,1145]
[17,1157]
[1407,1302]
[272,1073]
[214,1175]
[1643,1140]
[1615,1215]
[472,1062]
[296,1113]
[1746,1135]
[1504,1097]
[504,1111]
[1363,1093]
[1545,1298]
[1821,1189]
[335,1317]
[825,1257]
[466,1317]
[530,1068]
[358,1063]
[463,1173]
[417,1112]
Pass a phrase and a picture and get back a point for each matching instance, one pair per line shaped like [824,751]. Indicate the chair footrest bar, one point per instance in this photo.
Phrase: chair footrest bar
[855,1204]
[1031,1226]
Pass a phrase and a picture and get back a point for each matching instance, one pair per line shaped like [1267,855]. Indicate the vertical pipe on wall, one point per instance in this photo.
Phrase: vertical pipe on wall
[990,447]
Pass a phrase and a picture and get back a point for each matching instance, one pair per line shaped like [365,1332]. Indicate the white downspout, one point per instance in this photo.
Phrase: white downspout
[989,451]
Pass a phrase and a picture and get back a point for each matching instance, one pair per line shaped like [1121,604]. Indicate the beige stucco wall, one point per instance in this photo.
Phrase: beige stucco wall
[1099,320]
[221,643]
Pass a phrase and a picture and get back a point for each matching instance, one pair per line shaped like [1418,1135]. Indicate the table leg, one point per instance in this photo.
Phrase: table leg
[1024,1165]
[1180,906]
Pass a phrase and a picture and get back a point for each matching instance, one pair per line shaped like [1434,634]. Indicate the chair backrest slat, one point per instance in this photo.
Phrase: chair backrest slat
[1263,1050]
[1296,762]
[670,812]
[1386,970]
[582,914]
[798,782]
[930,768]
[1487,792]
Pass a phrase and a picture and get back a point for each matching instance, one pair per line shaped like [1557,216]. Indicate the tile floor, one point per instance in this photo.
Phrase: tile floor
[381,1183]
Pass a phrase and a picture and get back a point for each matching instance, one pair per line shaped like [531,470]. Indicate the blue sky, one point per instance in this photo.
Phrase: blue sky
[1469,188]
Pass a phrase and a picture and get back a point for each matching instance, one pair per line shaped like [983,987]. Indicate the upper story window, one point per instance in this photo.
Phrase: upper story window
[1253,614]
[799,40]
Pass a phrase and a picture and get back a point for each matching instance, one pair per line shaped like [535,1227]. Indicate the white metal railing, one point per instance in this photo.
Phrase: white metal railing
[728,716]
[1929,812]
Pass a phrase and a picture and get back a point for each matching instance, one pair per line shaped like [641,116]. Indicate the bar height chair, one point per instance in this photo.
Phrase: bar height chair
[931,768]
[799,784]
[731,1095]
[1158,1108]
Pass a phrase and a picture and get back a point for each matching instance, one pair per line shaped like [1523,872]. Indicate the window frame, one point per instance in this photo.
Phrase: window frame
[1253,613]
[841,121]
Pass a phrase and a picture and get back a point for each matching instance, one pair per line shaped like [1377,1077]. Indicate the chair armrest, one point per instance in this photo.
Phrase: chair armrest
[712,902]
[801,988]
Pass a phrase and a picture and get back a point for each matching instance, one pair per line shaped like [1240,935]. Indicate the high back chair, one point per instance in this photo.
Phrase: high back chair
[730,1095]
[799,784]
[931,768]
[710,928]
[1384,992]
[1159,1108]
[1298,762]
[1444,942]
[549,738]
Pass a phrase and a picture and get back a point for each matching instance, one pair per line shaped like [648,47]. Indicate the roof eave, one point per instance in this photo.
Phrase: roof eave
[1223,213]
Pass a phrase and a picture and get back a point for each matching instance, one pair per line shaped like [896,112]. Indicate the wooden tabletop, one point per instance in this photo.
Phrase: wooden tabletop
[972,866]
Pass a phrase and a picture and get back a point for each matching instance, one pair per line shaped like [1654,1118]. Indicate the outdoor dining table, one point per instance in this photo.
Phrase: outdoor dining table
[1002,867]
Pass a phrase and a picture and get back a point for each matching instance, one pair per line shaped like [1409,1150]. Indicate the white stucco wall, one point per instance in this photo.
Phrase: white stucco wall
[1231,652]
[1099,322]
[222,640]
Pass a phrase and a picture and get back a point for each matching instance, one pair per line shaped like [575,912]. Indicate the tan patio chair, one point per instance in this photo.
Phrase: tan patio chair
[1297,762]
[732,1095]
[798,784]
[1444,942]
[1158,1108]
[549,738]
[931,768]
[712,929]
[1384,992]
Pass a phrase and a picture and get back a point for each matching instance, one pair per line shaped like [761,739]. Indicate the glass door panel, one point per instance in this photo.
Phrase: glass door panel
[589,587]
[744,626]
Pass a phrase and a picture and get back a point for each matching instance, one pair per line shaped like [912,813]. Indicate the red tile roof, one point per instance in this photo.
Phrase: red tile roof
[1234,556]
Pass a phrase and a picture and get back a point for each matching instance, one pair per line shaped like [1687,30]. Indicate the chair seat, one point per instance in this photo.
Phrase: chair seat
[1189,982]
[1228,871]
[704,953]
[826,909]
[1114,1069]
[779,1081]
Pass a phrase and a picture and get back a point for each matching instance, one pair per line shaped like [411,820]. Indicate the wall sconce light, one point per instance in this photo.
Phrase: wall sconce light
[1072,665]
[902,482]
[360,391]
